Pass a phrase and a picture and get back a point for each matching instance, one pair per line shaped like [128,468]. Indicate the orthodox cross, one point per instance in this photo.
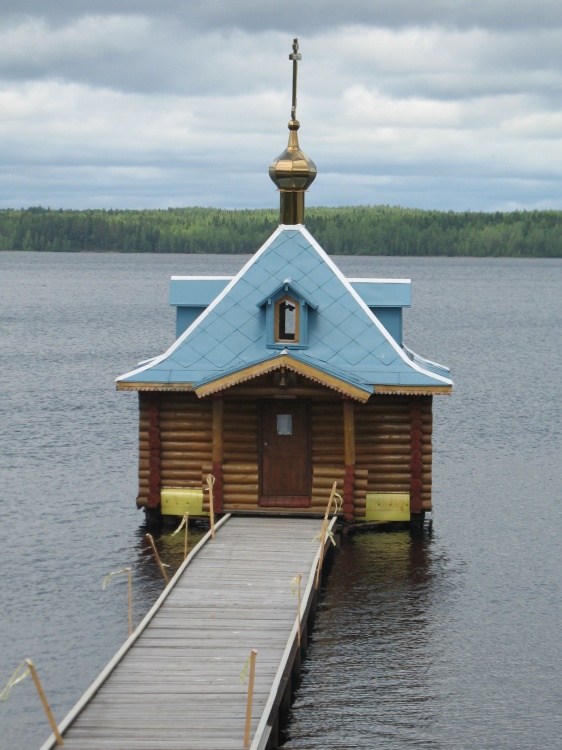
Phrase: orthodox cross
[295,57]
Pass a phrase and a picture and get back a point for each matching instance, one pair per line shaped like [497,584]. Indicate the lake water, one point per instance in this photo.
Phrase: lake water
[448,642]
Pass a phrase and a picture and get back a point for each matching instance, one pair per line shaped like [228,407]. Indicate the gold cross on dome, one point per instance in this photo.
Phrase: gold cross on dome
[295,57]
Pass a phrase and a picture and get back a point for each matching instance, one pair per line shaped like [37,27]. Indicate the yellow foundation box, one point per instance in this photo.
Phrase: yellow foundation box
[176,501]
[387,506]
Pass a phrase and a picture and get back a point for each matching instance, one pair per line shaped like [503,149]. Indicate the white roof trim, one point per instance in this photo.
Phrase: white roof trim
[425,359]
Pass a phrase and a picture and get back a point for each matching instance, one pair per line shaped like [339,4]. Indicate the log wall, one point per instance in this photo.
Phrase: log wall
[383,446]
[185,434]
[328,460]
[240,454]
[383,429]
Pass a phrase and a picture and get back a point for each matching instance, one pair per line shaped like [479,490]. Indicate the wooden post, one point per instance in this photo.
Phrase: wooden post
[416,461]
[250,697]
[210,483]
[349,432]
[156,555]
[130,598]
[349,451]
[45,703]
[154,476]
[324,532]
[299,577]
[217,451]
[218,411]
[184,522]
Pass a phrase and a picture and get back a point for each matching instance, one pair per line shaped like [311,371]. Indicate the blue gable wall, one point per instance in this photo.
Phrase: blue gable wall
[191,295]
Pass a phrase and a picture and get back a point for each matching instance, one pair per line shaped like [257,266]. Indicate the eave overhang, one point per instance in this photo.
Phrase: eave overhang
[412,390]
[129,386]
[312,373]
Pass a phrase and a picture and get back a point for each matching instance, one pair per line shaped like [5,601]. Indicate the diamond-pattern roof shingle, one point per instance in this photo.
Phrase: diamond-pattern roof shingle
[345,339]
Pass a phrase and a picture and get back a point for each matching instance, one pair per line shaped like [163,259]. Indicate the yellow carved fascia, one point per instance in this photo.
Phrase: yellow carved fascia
[154,386]
[286,361]
[412,390]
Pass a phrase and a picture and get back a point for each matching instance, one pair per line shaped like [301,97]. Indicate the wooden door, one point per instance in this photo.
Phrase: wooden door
[285,454]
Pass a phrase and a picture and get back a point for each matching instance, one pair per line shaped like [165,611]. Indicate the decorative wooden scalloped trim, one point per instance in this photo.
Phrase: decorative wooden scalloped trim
[412,390]
[154,386]
[289,363]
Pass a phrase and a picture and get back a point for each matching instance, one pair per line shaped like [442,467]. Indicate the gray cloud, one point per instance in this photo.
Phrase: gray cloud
[314,16]
[433,104]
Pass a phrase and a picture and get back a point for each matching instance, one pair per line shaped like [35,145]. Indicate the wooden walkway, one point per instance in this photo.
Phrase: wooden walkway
[176,682]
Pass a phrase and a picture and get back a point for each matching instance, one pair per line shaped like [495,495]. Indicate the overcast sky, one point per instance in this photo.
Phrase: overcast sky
[444,104]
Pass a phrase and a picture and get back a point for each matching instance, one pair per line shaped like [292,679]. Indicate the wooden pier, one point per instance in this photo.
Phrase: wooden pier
[178,682]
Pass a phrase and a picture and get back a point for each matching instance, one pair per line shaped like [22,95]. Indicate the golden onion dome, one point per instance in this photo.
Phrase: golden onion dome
[293,169]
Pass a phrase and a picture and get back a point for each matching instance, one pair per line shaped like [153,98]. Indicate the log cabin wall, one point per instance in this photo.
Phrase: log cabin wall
[393,449]
[175,443]
[175,448]
[328,461]
[240,454]
[186,436]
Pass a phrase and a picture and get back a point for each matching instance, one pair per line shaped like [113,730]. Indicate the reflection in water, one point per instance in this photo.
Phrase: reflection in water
[369,668]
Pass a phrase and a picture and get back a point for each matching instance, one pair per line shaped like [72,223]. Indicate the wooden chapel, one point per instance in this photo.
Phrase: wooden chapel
[285,378]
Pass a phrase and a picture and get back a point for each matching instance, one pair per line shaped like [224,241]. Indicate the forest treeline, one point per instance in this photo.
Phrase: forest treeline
[354,230]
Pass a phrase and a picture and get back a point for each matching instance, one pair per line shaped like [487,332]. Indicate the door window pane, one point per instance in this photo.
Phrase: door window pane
[284,424]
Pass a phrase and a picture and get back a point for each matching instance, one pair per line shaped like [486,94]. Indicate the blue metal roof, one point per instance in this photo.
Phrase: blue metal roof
[345,339]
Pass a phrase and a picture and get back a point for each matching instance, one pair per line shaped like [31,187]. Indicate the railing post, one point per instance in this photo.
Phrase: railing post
[299,577]
[324,532]
[44,701]
[250,698]
[157,556]
[210,483]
